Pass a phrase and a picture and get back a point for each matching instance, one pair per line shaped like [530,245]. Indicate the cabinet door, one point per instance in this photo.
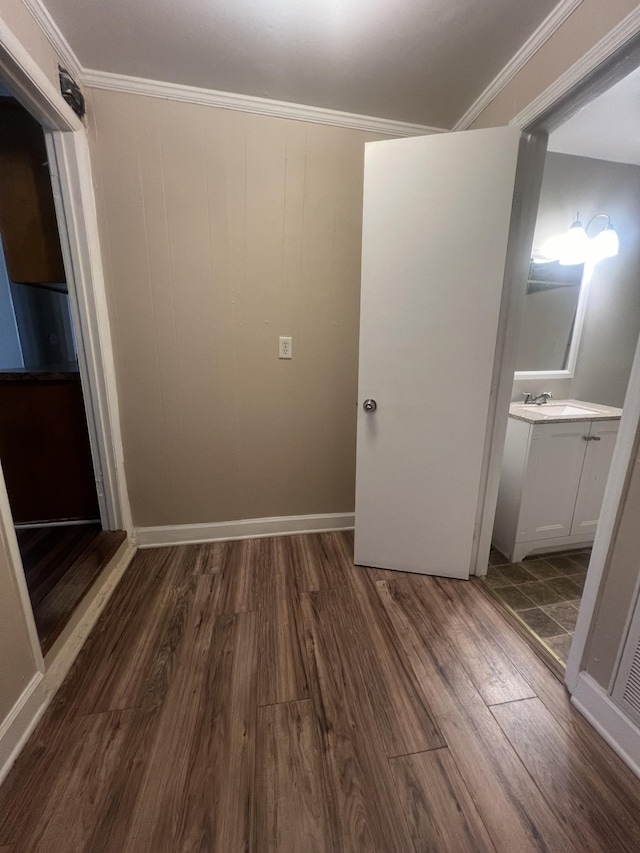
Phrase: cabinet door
[27,213]
[45,452]
[552,476]
[597,461]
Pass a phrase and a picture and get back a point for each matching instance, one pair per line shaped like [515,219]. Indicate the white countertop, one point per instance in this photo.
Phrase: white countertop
[534,414]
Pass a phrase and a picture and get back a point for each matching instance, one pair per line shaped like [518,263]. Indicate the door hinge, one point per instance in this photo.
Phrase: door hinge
[99,485]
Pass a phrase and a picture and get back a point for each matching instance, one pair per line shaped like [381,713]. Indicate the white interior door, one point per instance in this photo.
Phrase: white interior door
[437,218]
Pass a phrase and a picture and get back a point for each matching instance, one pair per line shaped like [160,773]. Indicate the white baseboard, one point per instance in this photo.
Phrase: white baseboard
[548,546]
[20,722]
[26,713]
[248,528]
[622,735]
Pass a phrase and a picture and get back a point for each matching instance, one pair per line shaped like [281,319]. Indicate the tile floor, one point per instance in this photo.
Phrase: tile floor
[544,592]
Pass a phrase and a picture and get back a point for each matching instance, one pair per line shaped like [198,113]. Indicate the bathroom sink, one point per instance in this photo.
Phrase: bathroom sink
[562,410]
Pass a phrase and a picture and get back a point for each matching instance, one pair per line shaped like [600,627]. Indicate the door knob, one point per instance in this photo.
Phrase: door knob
[369,405]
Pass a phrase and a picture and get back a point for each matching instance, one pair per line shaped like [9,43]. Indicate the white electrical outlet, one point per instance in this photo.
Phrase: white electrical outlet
[285,347]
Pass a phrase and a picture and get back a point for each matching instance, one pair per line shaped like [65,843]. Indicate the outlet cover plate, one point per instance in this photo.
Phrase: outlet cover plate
[285,347]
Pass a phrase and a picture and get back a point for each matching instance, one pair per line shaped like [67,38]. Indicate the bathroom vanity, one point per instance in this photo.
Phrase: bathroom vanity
[556,462]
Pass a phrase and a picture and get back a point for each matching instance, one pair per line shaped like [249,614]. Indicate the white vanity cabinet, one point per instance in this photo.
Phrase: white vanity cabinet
[552,484]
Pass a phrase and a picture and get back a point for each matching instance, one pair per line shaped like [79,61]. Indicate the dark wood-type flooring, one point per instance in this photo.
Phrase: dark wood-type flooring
[60,564]
[267,695]
[543,592]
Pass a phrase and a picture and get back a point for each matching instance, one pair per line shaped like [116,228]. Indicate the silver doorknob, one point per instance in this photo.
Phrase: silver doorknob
[369,405]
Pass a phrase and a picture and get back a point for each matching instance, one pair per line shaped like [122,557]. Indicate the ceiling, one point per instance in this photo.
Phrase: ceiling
[607,128]
[421,61]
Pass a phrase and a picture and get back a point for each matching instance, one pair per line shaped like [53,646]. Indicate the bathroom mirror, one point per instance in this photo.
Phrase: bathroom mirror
[552,321]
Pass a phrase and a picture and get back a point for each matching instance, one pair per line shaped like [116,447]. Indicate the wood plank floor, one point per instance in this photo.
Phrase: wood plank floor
[268,695]
[60,564]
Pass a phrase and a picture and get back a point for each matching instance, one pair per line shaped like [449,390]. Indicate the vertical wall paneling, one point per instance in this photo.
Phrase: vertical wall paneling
[222,231]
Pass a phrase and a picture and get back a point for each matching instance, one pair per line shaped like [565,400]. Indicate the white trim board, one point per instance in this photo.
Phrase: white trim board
[536,40]
[69,164]
[623,459]
[622,735]
[248,528]
[55,37]
[622,33]
[18,725]
[29,83]
[249,104]
[17,575]
[72,183]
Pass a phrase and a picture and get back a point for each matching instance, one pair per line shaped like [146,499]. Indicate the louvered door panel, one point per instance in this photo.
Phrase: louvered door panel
[626,690]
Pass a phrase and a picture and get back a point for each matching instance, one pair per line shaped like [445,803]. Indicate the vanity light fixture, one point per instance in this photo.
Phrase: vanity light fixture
[575,247]
[606,243]
[575,244]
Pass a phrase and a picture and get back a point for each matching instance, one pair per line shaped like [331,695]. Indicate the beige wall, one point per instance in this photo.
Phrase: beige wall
[25,27]
[17,663]
[612,321]
[584,28]
[221,231]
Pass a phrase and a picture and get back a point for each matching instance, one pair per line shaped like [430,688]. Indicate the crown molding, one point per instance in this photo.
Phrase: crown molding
[626,30]
[532,45]
[55,37]
[209,97]
[250,104]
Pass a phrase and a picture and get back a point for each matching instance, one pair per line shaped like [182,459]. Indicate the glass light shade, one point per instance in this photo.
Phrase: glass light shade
[575,245]
[551,248]
[605,245]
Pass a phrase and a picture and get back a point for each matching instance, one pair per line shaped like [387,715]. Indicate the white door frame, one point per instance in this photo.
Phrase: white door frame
[68,153]
[598,69]
[70,167]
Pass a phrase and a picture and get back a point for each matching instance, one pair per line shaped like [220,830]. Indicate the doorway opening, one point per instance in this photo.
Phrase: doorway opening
[576,348]
[45,447]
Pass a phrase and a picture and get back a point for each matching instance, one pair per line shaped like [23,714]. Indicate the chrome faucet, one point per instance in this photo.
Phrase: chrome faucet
[540,400]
